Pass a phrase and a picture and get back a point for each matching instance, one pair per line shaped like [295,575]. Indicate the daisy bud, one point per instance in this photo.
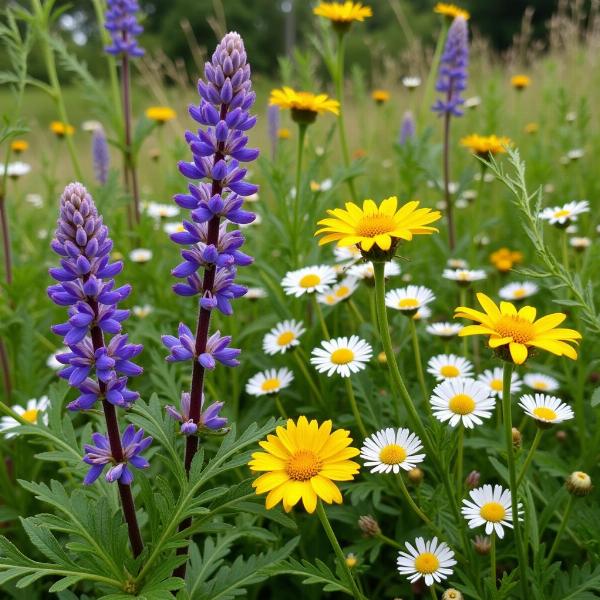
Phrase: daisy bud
[452,594]
[482,544]
[369,526]
[351,560]
[579,483]
[516,437]
[561,435]
[382,358]
[472,480]
[416,475]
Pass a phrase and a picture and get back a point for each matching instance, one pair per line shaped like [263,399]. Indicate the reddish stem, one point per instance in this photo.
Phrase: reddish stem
[448,199]
[6,241]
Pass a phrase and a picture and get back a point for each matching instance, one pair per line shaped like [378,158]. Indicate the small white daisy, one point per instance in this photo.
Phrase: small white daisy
[346,253]
[546,409]
[492,379]
[340,291]
[580,243]
[462,400]
[541,382]
[422,314]
[157,210]
[51,361]
[173,227]
[444,330]
[473,102]
[30,413]
[365,270]
[575,153]
[409,299]
[411,82]
[560,215]
[490,507]
[464,276]
[457,263]
[255,293]
[140,255]
[270,381]
[308,280]
[518,291]
[449,366]
[431,560]
[283,336]
[341,355]
[391,449]
[251,198]
[91,126]
[36,200]
[141,312]
[15,169]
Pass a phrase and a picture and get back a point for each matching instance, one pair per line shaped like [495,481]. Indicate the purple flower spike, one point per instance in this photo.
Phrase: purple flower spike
[122,23]
[100,155]
[100,454]
[452,77]
[209,418]
[407,128]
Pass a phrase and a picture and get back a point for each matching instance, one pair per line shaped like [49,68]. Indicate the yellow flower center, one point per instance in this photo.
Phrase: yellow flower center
[461,404]
[408,303]
[268,385]
[427,563]
[372,225]
[310,280]
[519,293]
[30,415]
[392,454]
[543,412]
[520,330]
[492,511]
[303,465]
[285,338]
[540,385]
[496,385]
[342,291]
[562,213]
[449,371]
[342,356]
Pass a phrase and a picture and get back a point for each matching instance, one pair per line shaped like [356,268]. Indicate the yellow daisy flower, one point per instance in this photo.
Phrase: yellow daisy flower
[377,230]
[160,114]
[283,133]
[380,96]
[513,333]
[302,461]
[504,259]
[18,146]
[451,10]
[343,14]
[520,82]
[305,106]
[484,145]
[60,129]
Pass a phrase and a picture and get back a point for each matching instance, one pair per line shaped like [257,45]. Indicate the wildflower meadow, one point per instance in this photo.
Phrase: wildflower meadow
[326,330]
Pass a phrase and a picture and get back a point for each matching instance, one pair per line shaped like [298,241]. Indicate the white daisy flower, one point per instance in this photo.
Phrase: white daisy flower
[341,355]
[140,255]
[462,400]
[283,336]
[541,382]
[449,366]
[51,361]
[365,270]
[457,263]
[411,82]
[560,215]
[251,198]
[255,293]
[340,291]
[492,379]
[308,280]
[91,126]
[430,560]
[156,210]
[580,243]
[518,291]
[422,314]
[409,299]
[30,413]
[270,381]
[473,102]
[173,227]
[464,276]
[575,153]
[444,330]
[391,449]
[36,200]
[346,253]
[490,507]
[15,169]
[546,409]
[141,312]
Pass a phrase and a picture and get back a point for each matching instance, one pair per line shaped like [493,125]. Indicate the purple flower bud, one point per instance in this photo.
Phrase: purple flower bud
[100,155]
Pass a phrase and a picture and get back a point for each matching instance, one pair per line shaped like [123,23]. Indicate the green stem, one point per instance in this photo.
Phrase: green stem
[355,311]
[321,318]
[432,592]
[493,558]
[534,445]
[419,364]
[565,250]
[415,508]
[561,529]
[510,457]
[462,293]
[338,550]
[339,91]
[307,376]
[354,406]
[459,459]
[297,199]
[280,406]
[433,73]
[389,541]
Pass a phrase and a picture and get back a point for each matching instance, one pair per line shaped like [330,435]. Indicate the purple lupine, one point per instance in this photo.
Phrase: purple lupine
[209,418]
[100,454]
[273,121]
[122,24]
[452,77]
[100,155]
[407,128]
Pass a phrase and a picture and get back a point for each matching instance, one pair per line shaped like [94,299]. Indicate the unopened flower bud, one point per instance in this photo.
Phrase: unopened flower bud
[516,437]
[472,480]
[561,435]
[452,594]
[416,475]
[579,483]
[369,526]
[351,560]
[482,544]
[382,358]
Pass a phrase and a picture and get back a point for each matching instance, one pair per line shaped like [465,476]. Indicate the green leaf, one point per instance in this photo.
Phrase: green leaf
[595,397]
